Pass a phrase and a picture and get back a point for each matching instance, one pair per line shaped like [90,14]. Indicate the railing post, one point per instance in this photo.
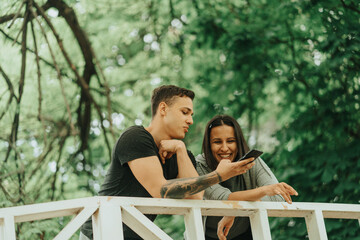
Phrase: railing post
[194,225]
[2,231]
[7,228]
[260,225]
[107,223]
[316,226]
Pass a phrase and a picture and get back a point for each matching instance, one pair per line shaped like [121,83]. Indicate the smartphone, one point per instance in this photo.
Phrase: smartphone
[252,153]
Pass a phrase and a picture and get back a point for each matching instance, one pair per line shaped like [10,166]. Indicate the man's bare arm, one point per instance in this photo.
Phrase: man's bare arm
[149,173]
[186,169]
[183,187]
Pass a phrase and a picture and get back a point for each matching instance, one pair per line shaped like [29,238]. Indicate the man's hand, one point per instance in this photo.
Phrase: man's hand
[167,148]
[282,189]
[227,169]
[224,226]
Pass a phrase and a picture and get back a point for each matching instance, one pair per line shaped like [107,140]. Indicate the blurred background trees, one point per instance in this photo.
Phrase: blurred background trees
[74,74]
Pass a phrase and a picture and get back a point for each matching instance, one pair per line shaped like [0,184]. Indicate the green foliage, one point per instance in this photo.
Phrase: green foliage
[287,70]
[173,225]
[45,229]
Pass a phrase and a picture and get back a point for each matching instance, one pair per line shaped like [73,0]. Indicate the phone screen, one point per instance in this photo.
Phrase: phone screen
[252,153]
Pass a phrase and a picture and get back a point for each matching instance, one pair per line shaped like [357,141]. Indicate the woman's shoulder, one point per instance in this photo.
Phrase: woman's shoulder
[200,158]
[201,164]
[260,164]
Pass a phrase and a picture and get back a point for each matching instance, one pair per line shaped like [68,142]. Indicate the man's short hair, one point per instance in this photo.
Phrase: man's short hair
[167,93]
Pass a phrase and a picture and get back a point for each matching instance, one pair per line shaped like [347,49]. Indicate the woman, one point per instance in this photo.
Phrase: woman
[223,139]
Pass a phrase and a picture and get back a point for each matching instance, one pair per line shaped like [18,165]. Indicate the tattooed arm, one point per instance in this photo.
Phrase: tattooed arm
[149,173]
[183,187]
[186,169]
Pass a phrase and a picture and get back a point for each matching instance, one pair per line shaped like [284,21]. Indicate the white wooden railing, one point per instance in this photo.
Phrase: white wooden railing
[109,212]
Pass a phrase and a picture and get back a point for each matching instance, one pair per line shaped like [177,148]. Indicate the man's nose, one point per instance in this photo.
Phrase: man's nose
[190,120]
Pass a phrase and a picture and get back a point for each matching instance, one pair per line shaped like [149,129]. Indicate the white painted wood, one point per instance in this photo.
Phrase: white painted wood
[107,222]
[260,225]
[316,226]
[340,214]
[172,206]
[48,210]
[140,224]
[2,229]
[75,223]
[312,212]
[8,228]
[216,208]
[194,225]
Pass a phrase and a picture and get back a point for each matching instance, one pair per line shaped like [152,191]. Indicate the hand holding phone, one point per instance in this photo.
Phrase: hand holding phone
[253,153]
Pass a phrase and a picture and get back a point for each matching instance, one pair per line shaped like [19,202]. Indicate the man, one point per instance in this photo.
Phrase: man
[153,162]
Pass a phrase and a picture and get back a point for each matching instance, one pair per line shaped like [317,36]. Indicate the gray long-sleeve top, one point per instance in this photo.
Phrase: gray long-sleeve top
[259,175]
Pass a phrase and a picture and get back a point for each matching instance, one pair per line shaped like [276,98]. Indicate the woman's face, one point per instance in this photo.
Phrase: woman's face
[223,143]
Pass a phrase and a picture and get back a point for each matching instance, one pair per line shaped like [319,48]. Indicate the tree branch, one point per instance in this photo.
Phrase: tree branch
[57,71]
[81,80]
[15,124]
[53,184]
[11,89]
[351,7]
[89,70]
[17,13]
[13,16]
[43,155]
[40,118]
[33,51]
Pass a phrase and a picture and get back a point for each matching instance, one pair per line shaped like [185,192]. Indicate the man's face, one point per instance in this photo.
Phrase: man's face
[178,117]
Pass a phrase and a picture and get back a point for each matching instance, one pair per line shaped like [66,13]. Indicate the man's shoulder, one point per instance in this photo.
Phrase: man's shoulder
[134,129]
[134,132]
[135,138]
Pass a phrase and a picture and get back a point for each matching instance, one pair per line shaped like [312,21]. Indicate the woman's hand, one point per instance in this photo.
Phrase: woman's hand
[282,189]
[227,169]
[224,226]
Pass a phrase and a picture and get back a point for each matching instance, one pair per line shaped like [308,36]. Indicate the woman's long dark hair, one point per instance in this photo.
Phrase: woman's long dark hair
[220,120]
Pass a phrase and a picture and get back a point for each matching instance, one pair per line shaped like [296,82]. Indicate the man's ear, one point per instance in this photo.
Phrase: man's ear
[162,108]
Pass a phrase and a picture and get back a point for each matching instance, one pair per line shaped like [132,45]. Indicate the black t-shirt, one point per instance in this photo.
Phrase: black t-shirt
[134,143]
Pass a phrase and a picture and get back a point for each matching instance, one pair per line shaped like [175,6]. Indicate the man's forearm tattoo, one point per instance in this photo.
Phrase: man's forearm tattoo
[180,188]
[220,179]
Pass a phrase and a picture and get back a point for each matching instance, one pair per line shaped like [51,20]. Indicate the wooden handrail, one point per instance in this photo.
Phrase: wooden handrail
[108,213]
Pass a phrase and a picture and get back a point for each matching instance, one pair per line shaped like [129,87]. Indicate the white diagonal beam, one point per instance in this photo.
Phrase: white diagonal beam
[140,224]
[316,226]
[194,225]
[260,225]
[75,223]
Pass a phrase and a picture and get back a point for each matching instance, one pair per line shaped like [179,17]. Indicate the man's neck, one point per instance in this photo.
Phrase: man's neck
[157,132]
